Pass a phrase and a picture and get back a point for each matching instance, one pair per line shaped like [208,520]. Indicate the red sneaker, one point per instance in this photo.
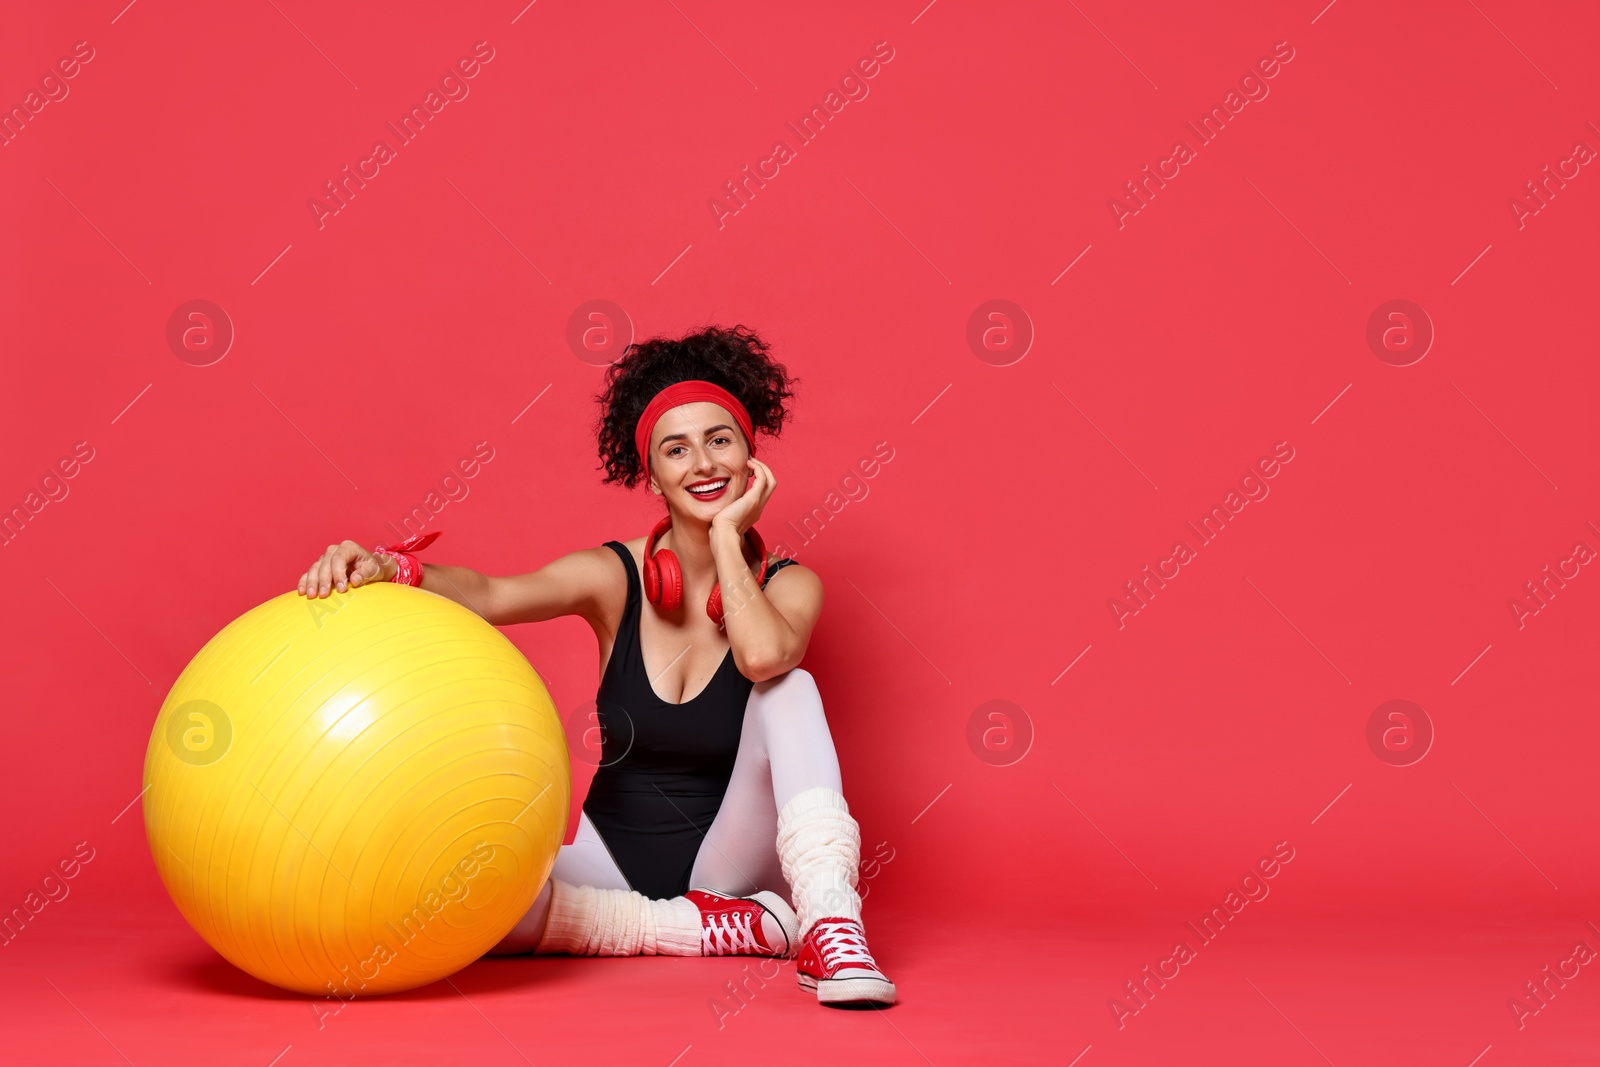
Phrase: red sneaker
[758,925]
[835,964]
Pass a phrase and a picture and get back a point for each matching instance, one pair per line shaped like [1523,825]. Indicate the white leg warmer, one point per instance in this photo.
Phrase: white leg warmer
[819,846]
[585,921]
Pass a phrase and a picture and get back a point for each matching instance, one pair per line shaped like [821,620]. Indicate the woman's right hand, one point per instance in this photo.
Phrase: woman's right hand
[345,563]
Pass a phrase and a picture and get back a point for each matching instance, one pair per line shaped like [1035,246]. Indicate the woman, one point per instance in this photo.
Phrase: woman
[732,786]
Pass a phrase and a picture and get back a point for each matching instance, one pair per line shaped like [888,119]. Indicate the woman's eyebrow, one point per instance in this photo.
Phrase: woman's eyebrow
[684,436]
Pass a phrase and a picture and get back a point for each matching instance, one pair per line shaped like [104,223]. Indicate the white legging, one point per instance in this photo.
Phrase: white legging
[784,748]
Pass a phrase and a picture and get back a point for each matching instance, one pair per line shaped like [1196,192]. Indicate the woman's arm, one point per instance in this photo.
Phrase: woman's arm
[769,629]
[569,585]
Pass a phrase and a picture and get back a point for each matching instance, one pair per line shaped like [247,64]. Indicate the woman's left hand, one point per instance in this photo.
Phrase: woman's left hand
[743,513]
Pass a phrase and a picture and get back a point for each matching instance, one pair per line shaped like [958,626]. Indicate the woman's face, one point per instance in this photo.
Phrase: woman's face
[694,446]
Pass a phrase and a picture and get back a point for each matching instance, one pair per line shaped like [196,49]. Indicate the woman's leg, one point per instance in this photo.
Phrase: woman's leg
[785,748]
[786,791]
[595,913]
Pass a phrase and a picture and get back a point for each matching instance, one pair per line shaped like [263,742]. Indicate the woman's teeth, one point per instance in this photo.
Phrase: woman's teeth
[705,490]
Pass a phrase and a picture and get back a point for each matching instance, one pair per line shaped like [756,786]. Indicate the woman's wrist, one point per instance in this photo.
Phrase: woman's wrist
[727,533]
[388,566]
[407,568]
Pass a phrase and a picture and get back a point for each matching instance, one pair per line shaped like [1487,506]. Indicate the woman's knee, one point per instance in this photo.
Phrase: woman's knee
[790,710]
[794,685]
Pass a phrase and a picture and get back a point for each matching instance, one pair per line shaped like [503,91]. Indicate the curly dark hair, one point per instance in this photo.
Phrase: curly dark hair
[734,358]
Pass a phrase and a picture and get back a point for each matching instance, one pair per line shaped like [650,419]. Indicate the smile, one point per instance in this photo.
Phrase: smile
[710,490]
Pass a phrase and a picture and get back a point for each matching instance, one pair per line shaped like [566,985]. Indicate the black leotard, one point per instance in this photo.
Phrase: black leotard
[663,767]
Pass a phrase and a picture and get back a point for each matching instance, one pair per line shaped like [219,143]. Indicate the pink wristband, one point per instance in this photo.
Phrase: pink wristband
[408,568]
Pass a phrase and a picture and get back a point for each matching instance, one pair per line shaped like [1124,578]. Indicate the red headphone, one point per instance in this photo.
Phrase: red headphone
[663,578]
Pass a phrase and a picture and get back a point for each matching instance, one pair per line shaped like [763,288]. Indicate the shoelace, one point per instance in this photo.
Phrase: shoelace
[728,932]
[841,944]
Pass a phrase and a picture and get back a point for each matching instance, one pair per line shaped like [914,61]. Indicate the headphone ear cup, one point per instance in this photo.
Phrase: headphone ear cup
[714,605]
[652,572]
[669,582]
[652,580]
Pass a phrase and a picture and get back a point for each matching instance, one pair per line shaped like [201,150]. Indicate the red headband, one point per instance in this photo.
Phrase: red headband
[689,392]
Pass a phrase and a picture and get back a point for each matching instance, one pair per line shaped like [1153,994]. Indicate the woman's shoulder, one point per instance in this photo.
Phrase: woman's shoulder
[634,546]
[777,565]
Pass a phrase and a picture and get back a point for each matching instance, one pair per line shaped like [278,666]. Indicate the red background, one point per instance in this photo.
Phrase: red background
[1228,315]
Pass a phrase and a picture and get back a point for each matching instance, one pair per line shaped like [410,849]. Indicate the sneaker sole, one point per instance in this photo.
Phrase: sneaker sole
[850,990]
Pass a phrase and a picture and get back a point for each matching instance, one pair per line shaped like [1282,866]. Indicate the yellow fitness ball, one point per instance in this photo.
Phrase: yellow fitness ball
[356,794]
